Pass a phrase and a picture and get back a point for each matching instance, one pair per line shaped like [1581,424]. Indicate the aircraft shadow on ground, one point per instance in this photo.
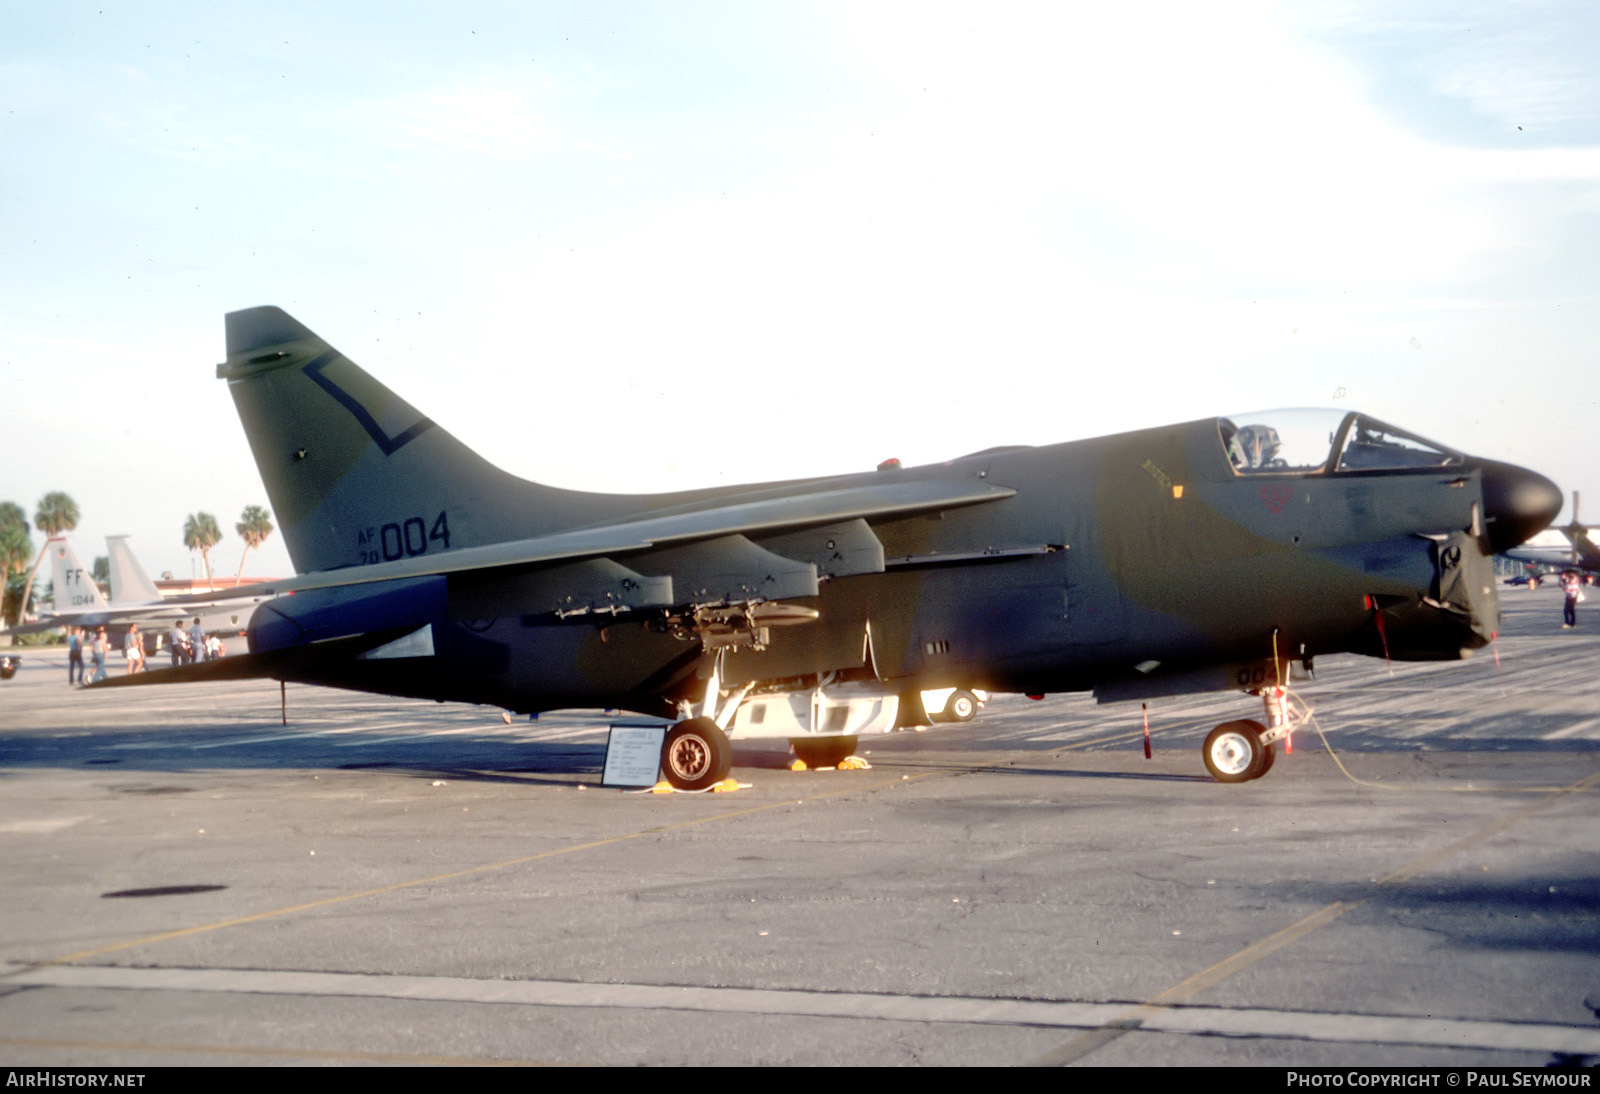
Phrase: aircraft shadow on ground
[1558,912]
[158,747]
[957,767]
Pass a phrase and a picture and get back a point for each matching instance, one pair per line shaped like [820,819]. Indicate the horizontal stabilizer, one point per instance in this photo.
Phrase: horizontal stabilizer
[419,643]
[283,663]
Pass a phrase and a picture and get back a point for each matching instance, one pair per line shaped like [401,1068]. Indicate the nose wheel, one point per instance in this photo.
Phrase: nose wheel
[1235,752]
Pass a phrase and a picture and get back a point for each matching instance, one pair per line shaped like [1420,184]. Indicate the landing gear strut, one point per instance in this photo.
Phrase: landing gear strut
[1236,752]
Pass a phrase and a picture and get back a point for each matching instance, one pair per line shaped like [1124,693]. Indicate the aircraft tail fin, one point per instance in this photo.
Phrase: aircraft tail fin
[354,473]
[129,581]
[71,584]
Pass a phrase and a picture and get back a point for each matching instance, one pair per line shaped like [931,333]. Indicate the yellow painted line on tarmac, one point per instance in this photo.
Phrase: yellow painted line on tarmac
[1121,736]
[1410,870]
[1085,1043]
[434,879]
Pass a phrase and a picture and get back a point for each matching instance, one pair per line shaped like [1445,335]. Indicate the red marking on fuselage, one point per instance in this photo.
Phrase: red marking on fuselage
[1276,497]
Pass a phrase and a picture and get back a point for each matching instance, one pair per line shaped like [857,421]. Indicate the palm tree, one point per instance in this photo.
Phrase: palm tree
[15,549]
[200,533]
[255,525]
[57,513]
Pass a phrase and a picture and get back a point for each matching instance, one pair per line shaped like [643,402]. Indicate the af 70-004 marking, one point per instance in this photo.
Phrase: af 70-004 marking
[1206,555]
[403,539]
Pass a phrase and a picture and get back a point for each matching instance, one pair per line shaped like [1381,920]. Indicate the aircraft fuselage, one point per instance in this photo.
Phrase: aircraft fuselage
[1136,557]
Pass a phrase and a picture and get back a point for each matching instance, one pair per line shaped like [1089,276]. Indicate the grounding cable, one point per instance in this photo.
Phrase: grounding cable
[1309,717]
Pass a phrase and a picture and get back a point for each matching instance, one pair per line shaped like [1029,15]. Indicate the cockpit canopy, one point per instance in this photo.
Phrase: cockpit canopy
[1320,441]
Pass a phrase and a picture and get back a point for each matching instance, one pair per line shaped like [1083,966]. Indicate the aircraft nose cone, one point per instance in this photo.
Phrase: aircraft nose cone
[1517,502]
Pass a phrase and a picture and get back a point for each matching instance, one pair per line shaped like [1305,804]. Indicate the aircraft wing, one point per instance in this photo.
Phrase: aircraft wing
[1562,548]
[40,626]
[107,616]
[703,532]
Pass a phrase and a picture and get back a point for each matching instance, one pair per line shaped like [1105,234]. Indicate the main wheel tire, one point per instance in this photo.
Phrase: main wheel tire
[1234,753]
[824,751]
[696,754]
[962,706]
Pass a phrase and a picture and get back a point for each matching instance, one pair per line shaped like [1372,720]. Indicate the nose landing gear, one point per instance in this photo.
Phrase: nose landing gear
[1236,752]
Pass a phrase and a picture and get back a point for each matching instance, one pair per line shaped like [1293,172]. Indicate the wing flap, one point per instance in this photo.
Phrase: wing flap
[730,570]
[844,549]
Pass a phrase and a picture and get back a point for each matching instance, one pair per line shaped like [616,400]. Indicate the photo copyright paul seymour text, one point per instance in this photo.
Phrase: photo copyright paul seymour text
[1439,1079]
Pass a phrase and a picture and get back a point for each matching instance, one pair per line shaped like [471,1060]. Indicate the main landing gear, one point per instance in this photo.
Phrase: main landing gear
[1236,752]
[696,754]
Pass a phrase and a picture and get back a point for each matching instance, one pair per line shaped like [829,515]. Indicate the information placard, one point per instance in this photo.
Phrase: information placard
[633,754]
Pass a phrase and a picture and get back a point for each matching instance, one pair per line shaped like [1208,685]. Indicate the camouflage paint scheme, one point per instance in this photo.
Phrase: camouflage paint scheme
[1138,564]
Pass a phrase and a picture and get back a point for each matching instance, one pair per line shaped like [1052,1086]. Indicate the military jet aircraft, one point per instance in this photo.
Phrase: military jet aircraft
[1565,548]
[1212,554]
[128,578]
[135,599]
[131,584]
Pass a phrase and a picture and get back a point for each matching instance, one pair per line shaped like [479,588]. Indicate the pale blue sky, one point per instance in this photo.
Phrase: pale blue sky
[655,246]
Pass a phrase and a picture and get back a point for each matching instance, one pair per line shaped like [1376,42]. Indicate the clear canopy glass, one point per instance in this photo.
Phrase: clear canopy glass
[1315,441]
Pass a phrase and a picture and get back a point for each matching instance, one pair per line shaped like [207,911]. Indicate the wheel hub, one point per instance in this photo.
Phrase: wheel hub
[1231,753]
[689,757]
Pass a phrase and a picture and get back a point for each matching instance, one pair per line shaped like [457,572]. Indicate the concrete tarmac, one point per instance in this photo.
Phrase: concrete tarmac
[187,880]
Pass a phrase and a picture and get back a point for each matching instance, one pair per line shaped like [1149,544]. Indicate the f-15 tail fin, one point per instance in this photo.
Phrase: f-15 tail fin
[355,474]
[72,586]
[129,581]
